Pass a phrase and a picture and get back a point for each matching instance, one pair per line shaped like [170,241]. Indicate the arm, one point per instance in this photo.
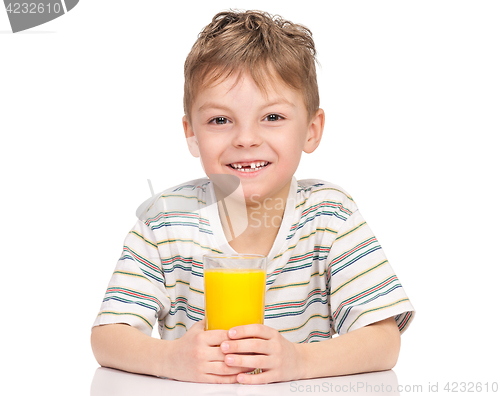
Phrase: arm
[125,348]
[194,357]
[371,348]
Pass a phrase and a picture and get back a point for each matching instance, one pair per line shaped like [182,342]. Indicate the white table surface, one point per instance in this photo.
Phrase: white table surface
[108,382]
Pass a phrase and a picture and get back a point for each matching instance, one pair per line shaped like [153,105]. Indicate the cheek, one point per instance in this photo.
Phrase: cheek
[208,142]
[211,149]
[288,148]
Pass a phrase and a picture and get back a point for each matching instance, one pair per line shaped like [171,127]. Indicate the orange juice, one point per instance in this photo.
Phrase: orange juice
[234,297]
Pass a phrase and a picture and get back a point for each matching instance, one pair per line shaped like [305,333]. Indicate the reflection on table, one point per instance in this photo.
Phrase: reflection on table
[108,382]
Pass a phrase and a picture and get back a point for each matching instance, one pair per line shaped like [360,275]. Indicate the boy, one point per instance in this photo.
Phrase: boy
[251,107]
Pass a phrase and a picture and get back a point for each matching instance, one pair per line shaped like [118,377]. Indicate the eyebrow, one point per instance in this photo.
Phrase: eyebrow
[279,101]
[214,105]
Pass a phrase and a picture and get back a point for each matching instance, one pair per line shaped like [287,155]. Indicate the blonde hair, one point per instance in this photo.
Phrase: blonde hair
[258,43]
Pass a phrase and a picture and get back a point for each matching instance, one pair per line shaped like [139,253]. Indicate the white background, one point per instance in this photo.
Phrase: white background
[91,107]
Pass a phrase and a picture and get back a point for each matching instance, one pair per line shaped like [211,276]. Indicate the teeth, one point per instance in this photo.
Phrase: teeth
[253,166]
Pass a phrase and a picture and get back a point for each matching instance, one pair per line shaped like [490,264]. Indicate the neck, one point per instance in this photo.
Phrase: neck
[255,218]
[266,216]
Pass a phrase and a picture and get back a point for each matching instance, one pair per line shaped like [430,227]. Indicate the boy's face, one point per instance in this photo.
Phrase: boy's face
[240,125]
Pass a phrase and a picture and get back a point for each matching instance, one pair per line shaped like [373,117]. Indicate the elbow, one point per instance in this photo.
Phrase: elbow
[390,338]
[393,354]
[393,348]
[93,344]
[96,344]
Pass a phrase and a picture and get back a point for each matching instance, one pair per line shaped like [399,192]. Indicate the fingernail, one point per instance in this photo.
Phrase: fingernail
[229,360]
[240,378]
[224,346]
[232,332]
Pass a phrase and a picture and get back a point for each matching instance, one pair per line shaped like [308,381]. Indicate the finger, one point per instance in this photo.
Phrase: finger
[214,337]
[221,368]
[256,361]
[211,354]
[247,345]
[220,379]
[199,324]
[210,337]
[252,330]
[265,377]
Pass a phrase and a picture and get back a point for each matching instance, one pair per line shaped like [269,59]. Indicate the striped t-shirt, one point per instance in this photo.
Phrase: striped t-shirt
[326,271]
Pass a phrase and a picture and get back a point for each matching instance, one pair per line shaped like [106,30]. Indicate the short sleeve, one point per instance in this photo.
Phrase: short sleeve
[136,293]
[363,286]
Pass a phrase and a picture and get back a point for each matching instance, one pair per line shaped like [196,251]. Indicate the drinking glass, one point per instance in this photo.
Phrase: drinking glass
[234,290]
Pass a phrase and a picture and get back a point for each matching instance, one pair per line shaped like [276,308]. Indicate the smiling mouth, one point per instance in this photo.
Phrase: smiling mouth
[254,167]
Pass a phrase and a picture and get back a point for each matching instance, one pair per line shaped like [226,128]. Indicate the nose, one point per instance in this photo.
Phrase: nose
[247,136]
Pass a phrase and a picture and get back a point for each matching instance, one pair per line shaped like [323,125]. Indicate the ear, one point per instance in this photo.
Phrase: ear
[314,131]
[190,138]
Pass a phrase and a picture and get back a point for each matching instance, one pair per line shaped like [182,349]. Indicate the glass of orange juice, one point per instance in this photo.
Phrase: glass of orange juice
[234,290]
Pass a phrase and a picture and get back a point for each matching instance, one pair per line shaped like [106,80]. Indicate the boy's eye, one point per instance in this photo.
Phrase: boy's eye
[219,120]
[273,117]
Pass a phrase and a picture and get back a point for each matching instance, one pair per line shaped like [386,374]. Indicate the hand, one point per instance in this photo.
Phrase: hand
[279,359]
[197,357]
